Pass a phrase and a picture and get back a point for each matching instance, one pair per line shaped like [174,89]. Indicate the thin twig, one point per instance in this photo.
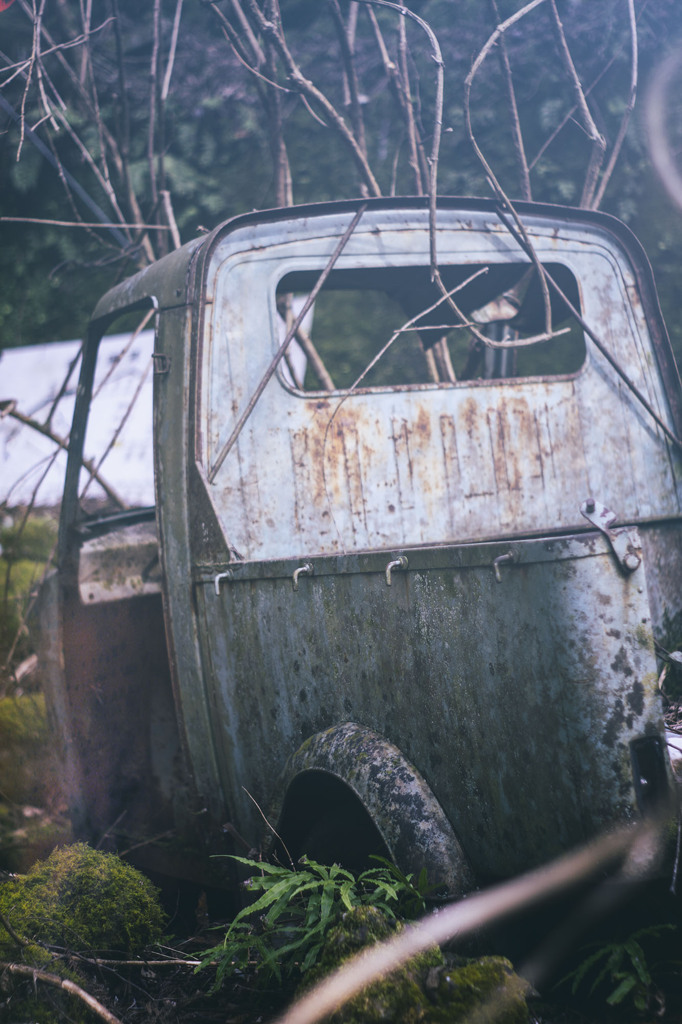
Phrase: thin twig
[61,442]
[401,98]
[273,30]
[169,962]
[615,152]
[119,428]
[272,829]
[517,135]
[36,974]
[412,133]
[222,455]
[272,101]
[593,133]
[165,88]
[21,942]
[308,346]
[350,75]
[236,43]
[153,102]
[437,58]
[86,224]
[248,31]
[116,362]
[170,217]
[495,184]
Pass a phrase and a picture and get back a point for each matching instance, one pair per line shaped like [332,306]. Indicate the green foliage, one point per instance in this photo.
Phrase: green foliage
[285,928]
[425,989]
[621,969]
[23,721]
[81,899]
[25,547]
[29,775]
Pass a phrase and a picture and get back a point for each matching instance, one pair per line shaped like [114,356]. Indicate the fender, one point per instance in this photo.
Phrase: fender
[403,808]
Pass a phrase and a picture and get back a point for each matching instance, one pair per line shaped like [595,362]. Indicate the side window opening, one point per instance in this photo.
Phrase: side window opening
[359,311]
[117,473]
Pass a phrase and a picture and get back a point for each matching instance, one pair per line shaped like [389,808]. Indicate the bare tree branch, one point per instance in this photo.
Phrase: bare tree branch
[408,108]
[37,974]
[497,188]
[9,409]
[272,100]
[170,217]
[272,29]
[517,136]
[617,146]
[153,103]
[248,31]
[87,224]
[350,75]
[593,133]
[165,89]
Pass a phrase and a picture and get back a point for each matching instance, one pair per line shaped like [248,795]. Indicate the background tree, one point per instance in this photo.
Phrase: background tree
[172,116]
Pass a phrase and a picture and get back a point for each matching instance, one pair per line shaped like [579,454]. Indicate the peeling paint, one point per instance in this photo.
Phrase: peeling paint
[484,719]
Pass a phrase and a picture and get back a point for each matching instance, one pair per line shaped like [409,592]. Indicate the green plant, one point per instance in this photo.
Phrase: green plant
[26,547]
[623,968]
[285,928]
[80,898]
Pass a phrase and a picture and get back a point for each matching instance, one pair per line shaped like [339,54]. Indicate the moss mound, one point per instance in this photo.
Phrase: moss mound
[82,899]
[426,990]
[482,991]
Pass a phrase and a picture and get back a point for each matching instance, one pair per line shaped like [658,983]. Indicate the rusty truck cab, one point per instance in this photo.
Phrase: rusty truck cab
[417,534]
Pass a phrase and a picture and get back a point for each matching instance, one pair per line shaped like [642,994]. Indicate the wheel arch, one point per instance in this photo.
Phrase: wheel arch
[397,799]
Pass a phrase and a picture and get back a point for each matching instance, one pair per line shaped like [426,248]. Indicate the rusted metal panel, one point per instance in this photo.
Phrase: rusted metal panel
[122,564]
[516,701]
[486,459]
[411,559]
[415,829]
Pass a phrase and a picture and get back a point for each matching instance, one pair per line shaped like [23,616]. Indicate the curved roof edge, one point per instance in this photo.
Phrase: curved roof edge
[166,282]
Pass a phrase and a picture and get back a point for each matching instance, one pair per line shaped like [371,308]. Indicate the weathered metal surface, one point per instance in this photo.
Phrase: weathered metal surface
[121,564]
[516,702]
[625,543]
[511,658]
[411,821]
[425,464]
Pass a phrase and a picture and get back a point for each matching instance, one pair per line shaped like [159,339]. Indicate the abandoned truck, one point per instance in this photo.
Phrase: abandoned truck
[417,529]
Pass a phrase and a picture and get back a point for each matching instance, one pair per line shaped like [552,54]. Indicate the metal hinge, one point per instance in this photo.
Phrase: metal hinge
[625,543]
[162,363]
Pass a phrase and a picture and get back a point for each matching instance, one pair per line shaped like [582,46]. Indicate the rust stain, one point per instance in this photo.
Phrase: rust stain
[347,432]
[423,424]
[478,480]
[400,436]
[544,446]
[497,448]
[306,458]
[453,483]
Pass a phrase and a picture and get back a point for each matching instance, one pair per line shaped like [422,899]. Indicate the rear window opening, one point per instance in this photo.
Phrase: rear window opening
[358,311]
